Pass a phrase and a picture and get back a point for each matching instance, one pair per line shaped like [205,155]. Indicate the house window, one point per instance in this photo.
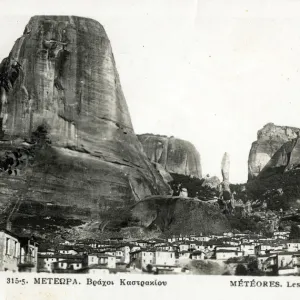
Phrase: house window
[7,246]
[77,265]
[171,255]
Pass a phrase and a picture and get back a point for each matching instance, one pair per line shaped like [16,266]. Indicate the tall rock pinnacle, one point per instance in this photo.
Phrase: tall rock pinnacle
[225,167]
[225,185]
[60,84]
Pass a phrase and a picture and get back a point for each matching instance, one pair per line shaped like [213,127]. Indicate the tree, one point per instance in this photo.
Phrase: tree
[149,268]
[295,232]
[241,270]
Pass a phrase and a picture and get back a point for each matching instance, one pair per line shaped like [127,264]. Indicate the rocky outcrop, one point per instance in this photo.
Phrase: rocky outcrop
[66,133]
[175,215]
[211,182]
[175,155]
[269,140]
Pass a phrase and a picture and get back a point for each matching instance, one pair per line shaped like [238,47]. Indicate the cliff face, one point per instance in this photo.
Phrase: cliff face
[175,215]
[175,155]
[65,129]
[279,179]
[269,140]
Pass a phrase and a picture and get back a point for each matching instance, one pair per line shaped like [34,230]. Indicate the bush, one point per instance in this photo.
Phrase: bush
[241,270]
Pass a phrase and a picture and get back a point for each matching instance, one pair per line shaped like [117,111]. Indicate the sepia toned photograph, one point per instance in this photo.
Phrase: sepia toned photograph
[150,138]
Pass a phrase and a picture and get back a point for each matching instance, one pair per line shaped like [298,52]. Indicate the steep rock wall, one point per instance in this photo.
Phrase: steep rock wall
[60,81]
[269,139]
[175,155]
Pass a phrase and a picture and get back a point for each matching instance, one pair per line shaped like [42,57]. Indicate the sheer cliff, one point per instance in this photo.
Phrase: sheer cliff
[65,129]
[277,176]
[175,155]
[269,139]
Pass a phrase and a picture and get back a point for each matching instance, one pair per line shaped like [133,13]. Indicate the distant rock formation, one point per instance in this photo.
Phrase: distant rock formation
[66,132]
[279,177]
[225,185]
[225,167]
[175,215]
[269,140]
[175,155]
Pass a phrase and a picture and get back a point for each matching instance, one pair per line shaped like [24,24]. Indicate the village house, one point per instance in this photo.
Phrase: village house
[248,249]
[116,240]
[228,234]
[28,259]
[202,238]
[293,245]
[103,259]
[183,255]
[166,247]
[172,239]
[142,258]
[267,263]
[285,259]
[66,249]
[224,254]
[123,253]
[184,246]
[262,249]
[296,262]
[9,251]
[67,265]
[281,235]
[47,262]
[164,258]
[198,255]
[142,243]
[111,252]
[68,242]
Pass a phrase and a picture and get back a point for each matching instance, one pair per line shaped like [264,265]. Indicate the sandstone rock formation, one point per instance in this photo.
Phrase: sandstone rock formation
[225,167]
[269,139]
[175,155]
[279,181]
[175,215]
[65,129]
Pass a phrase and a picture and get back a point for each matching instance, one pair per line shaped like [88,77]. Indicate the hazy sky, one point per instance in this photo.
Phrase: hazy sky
[209,71]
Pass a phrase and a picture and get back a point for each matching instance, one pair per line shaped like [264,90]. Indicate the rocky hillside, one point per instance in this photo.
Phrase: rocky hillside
[175,155]
[269,139]
[66,135]
[175,215]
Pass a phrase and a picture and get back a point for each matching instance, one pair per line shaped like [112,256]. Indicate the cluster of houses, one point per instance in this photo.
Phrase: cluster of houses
[277,255]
